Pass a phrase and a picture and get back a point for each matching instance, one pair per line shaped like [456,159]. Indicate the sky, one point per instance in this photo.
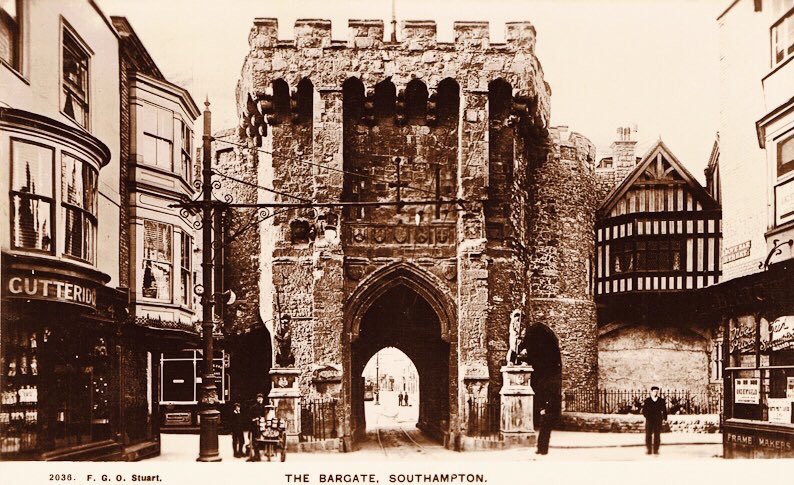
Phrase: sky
[610,63]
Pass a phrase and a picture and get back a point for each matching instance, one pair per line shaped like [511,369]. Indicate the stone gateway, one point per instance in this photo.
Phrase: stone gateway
[404,124]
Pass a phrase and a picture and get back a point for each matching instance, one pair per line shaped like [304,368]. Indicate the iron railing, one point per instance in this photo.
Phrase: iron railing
[484,417]
[318,419]
[619,401]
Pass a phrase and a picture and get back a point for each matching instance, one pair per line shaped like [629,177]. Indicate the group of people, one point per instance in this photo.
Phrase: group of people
[654,409]
[239,422]
[402,399]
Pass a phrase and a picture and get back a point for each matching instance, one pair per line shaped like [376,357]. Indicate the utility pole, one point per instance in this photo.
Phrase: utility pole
[208,415]
[377,379]
[393,22]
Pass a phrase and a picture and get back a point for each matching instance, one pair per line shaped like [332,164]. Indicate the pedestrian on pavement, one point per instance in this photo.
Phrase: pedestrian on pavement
[237,424]
[257,410]
[548,417]
[405,399]
[400,398]
[655,411]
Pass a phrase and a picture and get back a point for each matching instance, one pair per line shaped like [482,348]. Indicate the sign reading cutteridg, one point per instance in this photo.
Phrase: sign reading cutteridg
[50,288]
[747,391]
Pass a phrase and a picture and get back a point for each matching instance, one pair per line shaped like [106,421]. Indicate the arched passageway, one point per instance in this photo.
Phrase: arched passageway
[543,353]
[391,390]
[403,319]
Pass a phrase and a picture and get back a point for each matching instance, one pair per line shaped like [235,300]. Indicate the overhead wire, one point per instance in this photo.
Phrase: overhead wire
[251,184]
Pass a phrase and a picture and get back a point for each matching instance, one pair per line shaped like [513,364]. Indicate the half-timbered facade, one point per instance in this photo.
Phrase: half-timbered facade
[657,231]
[658,236]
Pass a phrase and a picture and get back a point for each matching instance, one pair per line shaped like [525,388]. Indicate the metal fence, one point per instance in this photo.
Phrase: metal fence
[483,419]
[613,401]
[318,419]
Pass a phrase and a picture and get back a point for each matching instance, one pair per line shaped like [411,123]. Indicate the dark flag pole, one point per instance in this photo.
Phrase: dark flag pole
[208,415]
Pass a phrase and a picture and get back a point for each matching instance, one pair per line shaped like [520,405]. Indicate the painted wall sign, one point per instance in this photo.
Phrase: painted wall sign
[50,288]
[747,390]
[737,251]
[780,335]
[779,410]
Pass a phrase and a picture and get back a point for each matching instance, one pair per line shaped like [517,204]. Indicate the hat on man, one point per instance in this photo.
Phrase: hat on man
[259,394]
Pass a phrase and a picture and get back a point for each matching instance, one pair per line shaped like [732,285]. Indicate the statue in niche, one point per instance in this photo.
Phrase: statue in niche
[516,355]
[283,337]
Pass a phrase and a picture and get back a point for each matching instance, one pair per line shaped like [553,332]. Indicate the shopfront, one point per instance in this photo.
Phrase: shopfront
[60,367]
[180,383]
[759,372]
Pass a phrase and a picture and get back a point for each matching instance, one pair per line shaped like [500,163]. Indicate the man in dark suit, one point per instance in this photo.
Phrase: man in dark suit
[547,417]
[237,424]
[655,411]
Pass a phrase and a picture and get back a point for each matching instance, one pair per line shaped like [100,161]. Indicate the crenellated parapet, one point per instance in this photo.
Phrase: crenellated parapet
[471,60]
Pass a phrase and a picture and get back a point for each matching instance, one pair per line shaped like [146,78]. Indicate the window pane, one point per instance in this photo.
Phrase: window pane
[90,240]
[9,32]
[72,182]
[184,287]
[90,186]
[165,124]
[178,381]
[149,150]
[73,238]
[164,154]
[32,170]
[149,119]
[31,223]
[157,241]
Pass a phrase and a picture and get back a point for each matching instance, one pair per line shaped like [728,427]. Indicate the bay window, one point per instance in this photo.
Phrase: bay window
[157,260]
[158,137]
[31,196]
[79,200]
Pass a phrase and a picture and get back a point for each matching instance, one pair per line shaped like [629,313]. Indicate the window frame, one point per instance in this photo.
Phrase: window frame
[788,16]
[186,256]
[170,263]
[19,40]
[157,137]
[630,250]
[783,169]
[51,199]
[186,138]
[67,30]
[85,213]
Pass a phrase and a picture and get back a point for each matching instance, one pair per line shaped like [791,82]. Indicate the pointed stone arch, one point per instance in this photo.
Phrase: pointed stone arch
[426,285]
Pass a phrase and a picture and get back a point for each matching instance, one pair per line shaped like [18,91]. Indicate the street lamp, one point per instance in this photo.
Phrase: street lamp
[208,414]
[377,379]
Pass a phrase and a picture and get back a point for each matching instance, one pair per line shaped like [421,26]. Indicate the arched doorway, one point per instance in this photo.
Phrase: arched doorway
[543,353]
[399,317]
[391,390]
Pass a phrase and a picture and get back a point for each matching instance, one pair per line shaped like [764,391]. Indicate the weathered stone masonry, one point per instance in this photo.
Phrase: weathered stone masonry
[468,119]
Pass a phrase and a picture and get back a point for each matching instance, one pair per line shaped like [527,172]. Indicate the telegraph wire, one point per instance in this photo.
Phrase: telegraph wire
[266,189]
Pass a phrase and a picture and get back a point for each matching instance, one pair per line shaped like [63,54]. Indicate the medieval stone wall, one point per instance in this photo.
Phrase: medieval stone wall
[561,219]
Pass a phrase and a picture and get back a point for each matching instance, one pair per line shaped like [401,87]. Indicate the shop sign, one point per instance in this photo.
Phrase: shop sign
[747,391]
[741,440]
[735,252]
[790,388]
[781,334]
[742,335]
[32,287]
[779,410]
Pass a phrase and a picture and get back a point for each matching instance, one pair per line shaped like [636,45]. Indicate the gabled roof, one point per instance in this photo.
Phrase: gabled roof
[132,43]
[647,166]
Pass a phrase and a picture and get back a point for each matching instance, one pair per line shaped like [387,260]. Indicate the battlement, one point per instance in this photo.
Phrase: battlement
[414,35]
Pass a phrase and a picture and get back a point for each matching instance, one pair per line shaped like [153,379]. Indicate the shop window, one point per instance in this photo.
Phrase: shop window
[185,281]
[181,376]
[11,33]
[31,196]
[186,148]
[157,260]
[75,79]
[785,154]
[158,137]
[79,199]
[783,37]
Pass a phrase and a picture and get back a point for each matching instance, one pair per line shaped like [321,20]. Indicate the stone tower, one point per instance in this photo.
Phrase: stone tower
[364,120]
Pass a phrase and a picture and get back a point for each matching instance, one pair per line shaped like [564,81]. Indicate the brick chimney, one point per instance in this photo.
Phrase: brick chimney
[623,157]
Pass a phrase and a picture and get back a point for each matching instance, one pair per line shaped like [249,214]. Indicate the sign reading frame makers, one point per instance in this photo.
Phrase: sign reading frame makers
[747,390]
[49,288]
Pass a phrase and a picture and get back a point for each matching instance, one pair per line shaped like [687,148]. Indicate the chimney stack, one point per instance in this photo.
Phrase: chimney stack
[623,157]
